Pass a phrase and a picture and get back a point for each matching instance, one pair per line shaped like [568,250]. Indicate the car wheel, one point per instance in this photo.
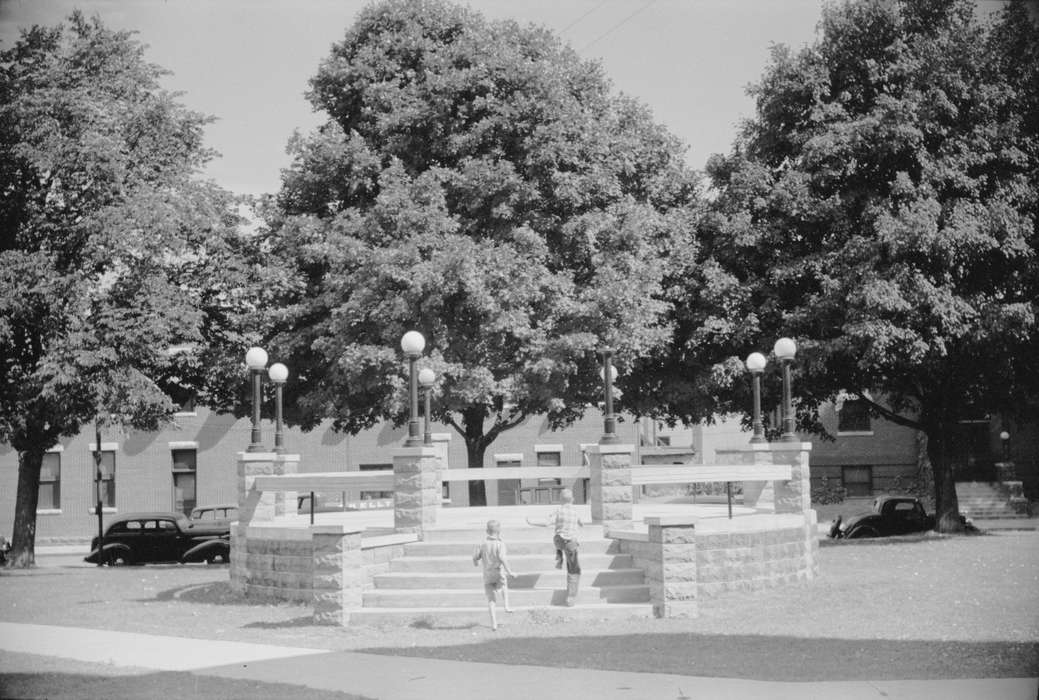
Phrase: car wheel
[118,559]
[863,532]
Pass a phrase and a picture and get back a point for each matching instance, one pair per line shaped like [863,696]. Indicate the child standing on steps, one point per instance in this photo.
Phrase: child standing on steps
[564,522]
[495,569]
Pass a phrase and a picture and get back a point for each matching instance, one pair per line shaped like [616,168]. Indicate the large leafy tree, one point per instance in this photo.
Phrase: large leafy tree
[121,272]
[881,207]
[476,181]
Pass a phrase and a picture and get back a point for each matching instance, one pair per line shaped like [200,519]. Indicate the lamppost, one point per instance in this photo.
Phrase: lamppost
[756,365]
[609,422]
[412,343]
[97,487]
[278,373]
[256,360]
[426,377]
[1005,437]
[785,349]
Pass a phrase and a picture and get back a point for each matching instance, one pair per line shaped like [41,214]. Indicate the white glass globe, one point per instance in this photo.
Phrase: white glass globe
[256,358]
[278,373]
[426,377]
[756,362]
[785,349]
[412,343]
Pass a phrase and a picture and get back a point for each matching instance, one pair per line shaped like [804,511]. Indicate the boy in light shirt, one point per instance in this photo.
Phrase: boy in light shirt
[492,552]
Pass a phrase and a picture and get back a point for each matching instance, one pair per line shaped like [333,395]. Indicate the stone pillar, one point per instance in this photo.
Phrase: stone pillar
[673,587]
[611,489]
[794,496]
[416,488]
[338,577]
[269,505]
[442,444]
[256,506]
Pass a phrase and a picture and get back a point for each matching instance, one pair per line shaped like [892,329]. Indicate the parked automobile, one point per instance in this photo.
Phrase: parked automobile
[891,515]
[217,515]
[139,538]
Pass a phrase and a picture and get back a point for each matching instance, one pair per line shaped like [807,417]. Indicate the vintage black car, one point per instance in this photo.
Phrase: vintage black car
[139,538]
[891,515]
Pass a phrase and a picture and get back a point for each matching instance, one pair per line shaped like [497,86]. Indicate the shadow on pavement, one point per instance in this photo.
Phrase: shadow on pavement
[752,657]
[180,685]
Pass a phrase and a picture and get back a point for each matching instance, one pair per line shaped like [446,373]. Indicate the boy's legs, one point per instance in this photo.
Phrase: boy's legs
[560,544]
[489,590]
[505,594]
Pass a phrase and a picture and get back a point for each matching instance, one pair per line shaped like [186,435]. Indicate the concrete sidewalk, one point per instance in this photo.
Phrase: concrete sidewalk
[404,678]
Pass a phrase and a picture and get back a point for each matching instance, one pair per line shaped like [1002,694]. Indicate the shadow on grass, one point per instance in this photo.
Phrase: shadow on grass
[172,684]
[307,621]
[212,593]
[751,656]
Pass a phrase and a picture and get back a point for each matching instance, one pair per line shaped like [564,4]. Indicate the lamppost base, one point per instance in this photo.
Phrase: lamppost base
[609,439]
[757,440]
[788,438]
[256,447]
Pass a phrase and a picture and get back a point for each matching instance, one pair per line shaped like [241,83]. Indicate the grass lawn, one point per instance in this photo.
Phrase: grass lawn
[913,608]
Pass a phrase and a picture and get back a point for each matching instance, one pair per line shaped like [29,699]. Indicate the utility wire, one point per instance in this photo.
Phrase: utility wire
[618,25]
[567,27]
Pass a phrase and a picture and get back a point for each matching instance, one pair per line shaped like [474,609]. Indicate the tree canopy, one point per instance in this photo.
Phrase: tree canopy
[479,182]
[122,274]
[881,208]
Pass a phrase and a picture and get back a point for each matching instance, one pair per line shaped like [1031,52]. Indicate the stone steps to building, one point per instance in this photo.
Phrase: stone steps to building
[474,536]
[523,580]
[476,615]
[461,598]
[541,547]
[437,576]
[993,514]
[519,563]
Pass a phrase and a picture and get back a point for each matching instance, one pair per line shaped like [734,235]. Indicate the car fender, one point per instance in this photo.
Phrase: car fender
[871,520]
[116,547]
[206,550]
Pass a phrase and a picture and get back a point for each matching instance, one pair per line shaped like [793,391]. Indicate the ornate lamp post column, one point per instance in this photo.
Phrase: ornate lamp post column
[278,373]
[785,349]
[412,343]
[609,423]
[256,360]
[426,377]
[756,365]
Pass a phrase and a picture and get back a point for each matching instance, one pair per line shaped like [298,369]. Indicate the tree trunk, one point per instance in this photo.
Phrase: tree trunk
[475,446]
[947,506]
[23,538]
[475,450]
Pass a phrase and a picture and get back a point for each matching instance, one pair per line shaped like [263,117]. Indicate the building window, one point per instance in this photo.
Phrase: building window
[854,417]
[50,482]
[373,495]
[549,456]
[857,481]
[107,471]
[185,483]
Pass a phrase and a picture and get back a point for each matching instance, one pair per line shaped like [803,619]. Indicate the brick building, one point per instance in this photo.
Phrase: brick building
[193,461]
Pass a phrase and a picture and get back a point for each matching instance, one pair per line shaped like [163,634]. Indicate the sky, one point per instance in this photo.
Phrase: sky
[247,62]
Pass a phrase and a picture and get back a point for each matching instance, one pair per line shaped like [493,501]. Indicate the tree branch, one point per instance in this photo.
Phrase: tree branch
[888,414]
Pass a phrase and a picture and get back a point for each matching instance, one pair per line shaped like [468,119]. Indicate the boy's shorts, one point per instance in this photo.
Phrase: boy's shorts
[491,588]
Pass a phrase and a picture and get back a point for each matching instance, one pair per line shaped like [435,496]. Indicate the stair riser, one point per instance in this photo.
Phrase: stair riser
[519,563]
[510,535]
[456,599]
[543,548]
[554,579]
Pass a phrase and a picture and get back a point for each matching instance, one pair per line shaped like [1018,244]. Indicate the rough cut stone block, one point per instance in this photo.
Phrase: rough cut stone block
[678,535]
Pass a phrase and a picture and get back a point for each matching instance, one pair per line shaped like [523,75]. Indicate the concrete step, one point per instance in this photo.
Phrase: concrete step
[476,615]
[474,597]
[523,533]
[993,514]
[519,563]
[541,547]
[524,580]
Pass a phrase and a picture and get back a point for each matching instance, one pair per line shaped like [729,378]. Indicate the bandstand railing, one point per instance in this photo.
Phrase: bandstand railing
[641,474]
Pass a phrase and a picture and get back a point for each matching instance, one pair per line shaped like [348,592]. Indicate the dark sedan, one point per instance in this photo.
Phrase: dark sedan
[139,538]
[891,515]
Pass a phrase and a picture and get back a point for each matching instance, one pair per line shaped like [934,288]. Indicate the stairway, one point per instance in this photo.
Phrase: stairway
[437,578]
[986,501]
